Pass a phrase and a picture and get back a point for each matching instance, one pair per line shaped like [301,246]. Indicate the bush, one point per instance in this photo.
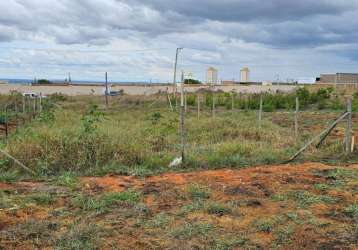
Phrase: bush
[43,81]
[191,100]
[191,81]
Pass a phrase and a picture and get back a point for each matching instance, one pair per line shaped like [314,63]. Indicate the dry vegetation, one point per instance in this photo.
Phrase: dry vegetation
[131,199]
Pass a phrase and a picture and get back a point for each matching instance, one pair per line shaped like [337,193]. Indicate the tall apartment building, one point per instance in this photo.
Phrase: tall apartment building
[212,76]
[245,75]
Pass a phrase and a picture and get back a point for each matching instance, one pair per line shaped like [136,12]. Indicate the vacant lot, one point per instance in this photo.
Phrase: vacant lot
[102,177]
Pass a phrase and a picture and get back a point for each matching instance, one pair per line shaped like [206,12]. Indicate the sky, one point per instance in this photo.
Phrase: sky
[136,40]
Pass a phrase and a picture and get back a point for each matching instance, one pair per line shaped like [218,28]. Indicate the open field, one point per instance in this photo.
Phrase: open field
[102,177]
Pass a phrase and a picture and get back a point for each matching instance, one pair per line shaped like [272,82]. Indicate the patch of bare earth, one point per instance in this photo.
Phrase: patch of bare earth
[282,207]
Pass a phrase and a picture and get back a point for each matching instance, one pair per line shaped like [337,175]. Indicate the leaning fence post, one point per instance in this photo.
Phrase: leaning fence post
[296,116]
[348,136]
[260,111]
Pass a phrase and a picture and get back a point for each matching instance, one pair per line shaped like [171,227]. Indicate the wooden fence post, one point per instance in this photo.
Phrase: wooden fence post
[182,124]
[23,104]
[198,102]
[296,116]
[213,107]
[6,124]
[34,105]
[232,101]
[348,139]
[260,111]
[40,108]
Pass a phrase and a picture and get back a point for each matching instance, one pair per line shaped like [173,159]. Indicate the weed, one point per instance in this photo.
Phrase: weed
[283,236]
[40,234]
[195,206]
[230,243]
[5,201]
[103,203]
[192,230]
[40,198]
[352,211]
[67,179]
[159,221]
[198,192]
[338,173]
[130,196]
[86,236]
[279,197]
[9,176]
[321,187]
[87,203]
[305,198]
[218,209]
[264,225]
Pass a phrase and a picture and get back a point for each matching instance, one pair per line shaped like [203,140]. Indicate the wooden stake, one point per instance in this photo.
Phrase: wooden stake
[170,101]
[198,102]
[232,101]
[260,111]
[213,107]
[348,135]
[23,104]
[296,116]
[40,108]
[182,123]
[106,94]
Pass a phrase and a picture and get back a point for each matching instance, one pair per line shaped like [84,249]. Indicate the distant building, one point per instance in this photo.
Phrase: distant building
[228,82]
[267,83]
[245,75]
[338,78]
[212,76]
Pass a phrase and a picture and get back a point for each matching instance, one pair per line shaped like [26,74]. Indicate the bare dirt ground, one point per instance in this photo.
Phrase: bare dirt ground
[304,206]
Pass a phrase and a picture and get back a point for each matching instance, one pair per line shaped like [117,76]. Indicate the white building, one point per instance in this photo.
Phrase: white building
[212,76]
[245,75]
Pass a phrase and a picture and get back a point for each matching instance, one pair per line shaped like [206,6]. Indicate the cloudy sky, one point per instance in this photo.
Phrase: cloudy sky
[135,40]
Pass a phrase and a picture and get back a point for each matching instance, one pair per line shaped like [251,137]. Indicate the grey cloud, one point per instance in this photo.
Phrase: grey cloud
[251,10]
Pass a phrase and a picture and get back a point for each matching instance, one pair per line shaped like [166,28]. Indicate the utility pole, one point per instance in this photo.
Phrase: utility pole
[175,75]
[106,94]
